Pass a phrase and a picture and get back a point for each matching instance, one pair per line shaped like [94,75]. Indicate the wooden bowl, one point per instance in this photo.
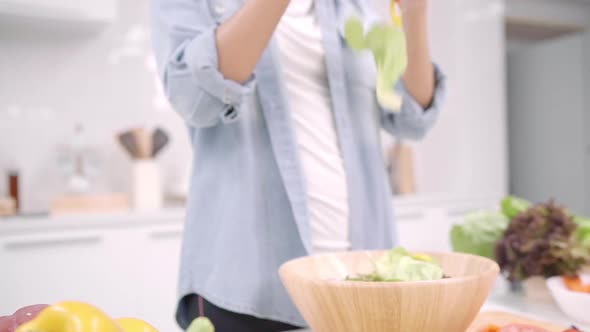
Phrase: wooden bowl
[331,304]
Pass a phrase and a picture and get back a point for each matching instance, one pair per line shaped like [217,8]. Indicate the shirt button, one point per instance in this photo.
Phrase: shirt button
[219,8]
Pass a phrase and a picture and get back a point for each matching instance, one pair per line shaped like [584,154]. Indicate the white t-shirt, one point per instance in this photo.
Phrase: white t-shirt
[304,74]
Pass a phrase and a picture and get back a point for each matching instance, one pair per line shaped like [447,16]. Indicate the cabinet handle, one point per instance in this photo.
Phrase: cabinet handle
[163,235]
[460,212]
[43,243]
[410,216]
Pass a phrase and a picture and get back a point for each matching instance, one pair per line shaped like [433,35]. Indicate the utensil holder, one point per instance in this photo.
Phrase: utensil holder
[147,186]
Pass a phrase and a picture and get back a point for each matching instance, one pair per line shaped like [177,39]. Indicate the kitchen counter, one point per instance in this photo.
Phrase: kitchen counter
[41,223]
[501,299]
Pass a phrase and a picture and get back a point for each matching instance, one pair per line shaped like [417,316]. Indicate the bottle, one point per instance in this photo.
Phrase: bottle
[13,188]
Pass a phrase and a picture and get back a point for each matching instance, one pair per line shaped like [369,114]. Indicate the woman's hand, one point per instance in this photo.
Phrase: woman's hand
[419,76]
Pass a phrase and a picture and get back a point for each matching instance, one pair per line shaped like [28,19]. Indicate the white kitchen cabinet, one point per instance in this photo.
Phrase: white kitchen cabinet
[46,268]
[47,13]
[126,268]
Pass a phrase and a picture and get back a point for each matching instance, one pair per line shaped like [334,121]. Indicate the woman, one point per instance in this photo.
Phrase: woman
[285,128]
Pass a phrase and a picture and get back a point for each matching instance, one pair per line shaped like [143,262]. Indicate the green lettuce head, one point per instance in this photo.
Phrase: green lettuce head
[479,233]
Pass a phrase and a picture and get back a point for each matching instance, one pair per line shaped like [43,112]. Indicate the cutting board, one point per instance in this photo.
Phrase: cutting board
[7,206]
[111,202]
[502,319]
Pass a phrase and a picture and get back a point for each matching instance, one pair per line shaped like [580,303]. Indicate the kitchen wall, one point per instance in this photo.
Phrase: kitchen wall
[51,80]
[564,12]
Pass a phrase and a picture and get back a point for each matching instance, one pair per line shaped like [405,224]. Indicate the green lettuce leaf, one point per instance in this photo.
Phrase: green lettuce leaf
[399,265]
[479,233]
[388,45]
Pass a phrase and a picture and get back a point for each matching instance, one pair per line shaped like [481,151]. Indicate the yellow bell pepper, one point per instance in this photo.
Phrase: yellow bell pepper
[396,14]
[135,325]
[422,257]
[81,317]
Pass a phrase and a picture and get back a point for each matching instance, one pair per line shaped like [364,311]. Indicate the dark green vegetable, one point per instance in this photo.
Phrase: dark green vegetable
[540,241]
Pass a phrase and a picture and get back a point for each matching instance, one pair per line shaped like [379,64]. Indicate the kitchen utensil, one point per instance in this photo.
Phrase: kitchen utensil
[144,143]
[7,206]
[147,186]
[503,318]
[159,140]
[574,304]
[129,143]
[330,304]
[108,202]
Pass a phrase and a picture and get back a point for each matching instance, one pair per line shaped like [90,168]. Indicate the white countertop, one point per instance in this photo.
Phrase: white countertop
[501,299]
[40,223]
[404,205]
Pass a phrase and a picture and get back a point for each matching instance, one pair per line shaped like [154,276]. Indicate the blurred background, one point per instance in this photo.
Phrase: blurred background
[85,129]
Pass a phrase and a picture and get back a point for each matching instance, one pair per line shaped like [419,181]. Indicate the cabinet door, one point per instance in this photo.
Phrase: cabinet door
[159,283]
[425,230]
[49,268]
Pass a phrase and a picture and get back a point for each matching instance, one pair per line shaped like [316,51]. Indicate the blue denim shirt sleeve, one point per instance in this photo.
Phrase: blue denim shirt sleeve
[413,121]
[188,61]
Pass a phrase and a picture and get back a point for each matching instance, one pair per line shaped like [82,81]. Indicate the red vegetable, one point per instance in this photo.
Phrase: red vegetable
[575,284]
[21,316]
[522,328]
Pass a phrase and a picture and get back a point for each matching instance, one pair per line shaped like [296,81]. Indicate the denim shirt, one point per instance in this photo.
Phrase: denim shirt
[246,210]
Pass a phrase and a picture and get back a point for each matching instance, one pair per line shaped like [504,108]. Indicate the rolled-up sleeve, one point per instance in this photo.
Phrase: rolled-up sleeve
[413,121]
[186,52]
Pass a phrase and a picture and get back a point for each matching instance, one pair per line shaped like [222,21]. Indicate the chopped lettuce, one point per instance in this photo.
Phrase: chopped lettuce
[388,45]
[479,233]
[399,265]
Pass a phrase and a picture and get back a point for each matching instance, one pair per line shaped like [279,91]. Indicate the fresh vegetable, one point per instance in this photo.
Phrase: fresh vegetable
[513,206]
[540,242]
[396,13]
[387,42]
[583,232]
[399,265]
[135,325]
[520,328]
[21,316]
[201,324]
[81,317]
[479,233]
[576,284]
